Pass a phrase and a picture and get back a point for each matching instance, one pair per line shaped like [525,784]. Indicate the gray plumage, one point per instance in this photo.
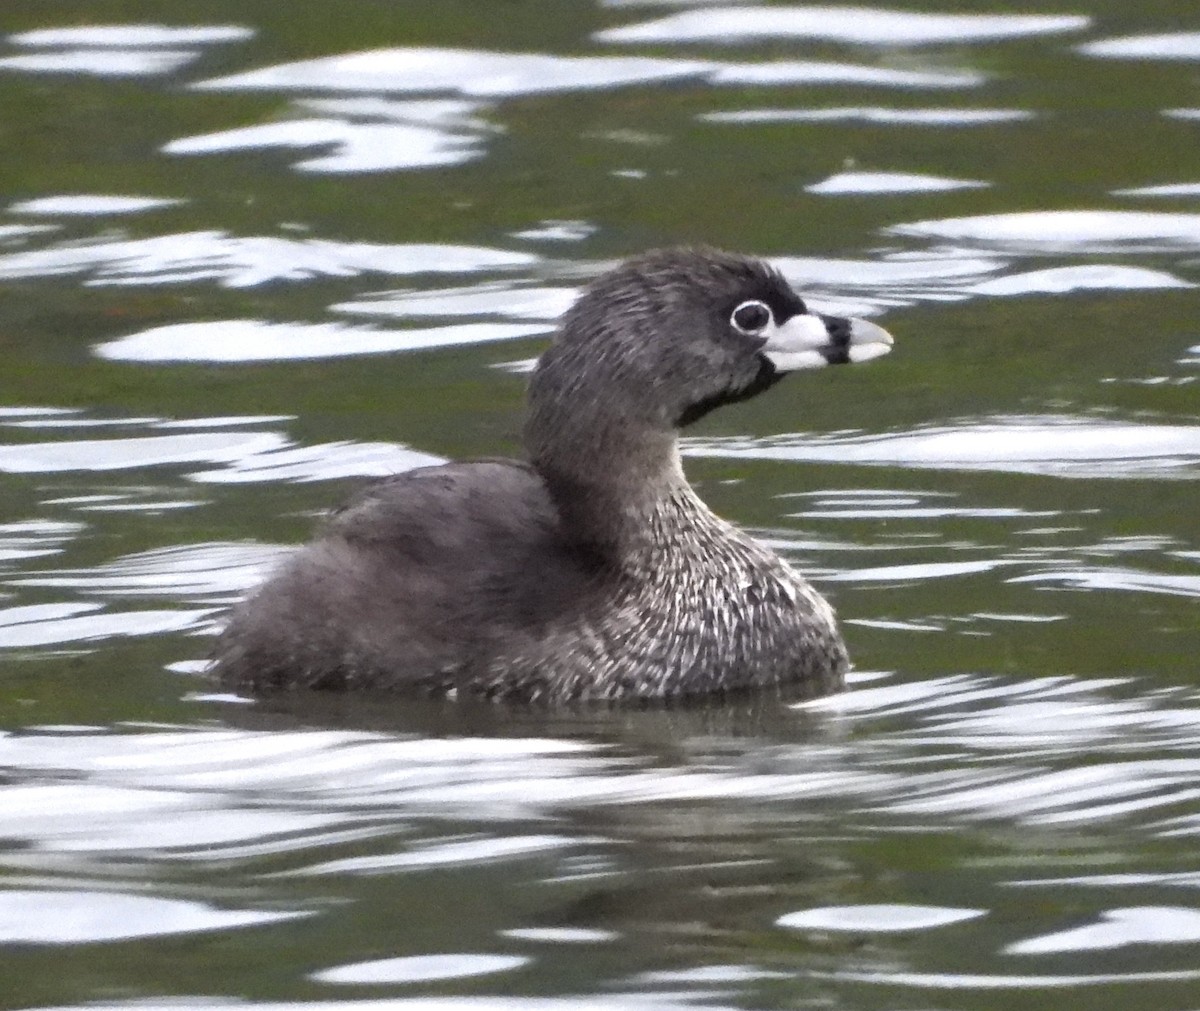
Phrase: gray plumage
[594,572]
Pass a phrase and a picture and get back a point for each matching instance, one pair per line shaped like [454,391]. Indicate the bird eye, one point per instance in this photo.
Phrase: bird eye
[751,317]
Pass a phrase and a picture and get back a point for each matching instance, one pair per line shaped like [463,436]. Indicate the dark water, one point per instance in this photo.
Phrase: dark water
[253,257]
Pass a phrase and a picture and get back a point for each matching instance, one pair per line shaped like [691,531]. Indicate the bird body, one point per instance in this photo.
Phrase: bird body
[594,571]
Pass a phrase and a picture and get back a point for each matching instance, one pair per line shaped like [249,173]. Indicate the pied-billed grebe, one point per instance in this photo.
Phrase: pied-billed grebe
[594,571]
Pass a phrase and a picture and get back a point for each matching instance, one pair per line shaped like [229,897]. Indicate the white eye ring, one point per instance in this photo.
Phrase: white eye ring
[752,317]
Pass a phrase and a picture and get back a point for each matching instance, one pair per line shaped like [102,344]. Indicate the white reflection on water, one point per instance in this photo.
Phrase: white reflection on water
[431,112]
[1042,232]
[1014,751]
[872,114]
[130,50]
[85,204]
[133,35]
[421,968]
[15,235]
[793,72]
[969,981]
[927,756]
[485,74]
[958,749]
[1165,190]
[928,273]
[245,261]
[365,135]
[1053,445]
[875,919]
[869,507]
[232,421]
[872,26]
[196,573]
[833,285]
[561,935]
[710,974]
[241,456]
[77,917]
[890,182]
[859,287]
[102,62]
[557,230]
[148,451]
[127,502]
[1086,578]
[248,340]
[35,538]
[472,852]
[1184,879]
[78,818]
[1085,277]
[917,572]
[888,281]
[1118,928]
[57,624]
[844,285]
[322,462]
[1169,46]
[358,147]
[616,1000]
[510,302]
[78,422]
[478,73]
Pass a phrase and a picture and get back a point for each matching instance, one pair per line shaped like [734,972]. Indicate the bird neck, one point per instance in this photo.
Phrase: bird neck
[625,496]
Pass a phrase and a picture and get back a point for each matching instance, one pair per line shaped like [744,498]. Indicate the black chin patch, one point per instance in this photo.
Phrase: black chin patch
[766,377]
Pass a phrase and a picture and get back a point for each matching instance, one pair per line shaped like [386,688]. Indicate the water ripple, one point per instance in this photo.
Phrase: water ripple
[963,748]
[1083,578]
[1049,445]
[197,573]
[240,458]
[420,968]
[147,451]
[468,856]
[847,285]
[486,74]
[88,204]
[866,26]
[471,852]
[617,1000]
[249,340]
[365,135]
[1168,46]
[1118,928]
[950,117]
[66,917]
[242,262]
[57,624]
[890,182]
[105,62]
[131,35]
[1046,232]
[491,299]
[998,981]
[322,462]
[37,538]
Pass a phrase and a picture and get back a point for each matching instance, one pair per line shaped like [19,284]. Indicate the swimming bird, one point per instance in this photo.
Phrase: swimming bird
[593,571]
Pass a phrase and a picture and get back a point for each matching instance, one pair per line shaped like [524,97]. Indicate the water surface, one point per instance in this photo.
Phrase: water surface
[255,254]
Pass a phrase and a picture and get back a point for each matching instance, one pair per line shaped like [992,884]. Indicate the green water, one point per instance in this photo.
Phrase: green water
[1003,510]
